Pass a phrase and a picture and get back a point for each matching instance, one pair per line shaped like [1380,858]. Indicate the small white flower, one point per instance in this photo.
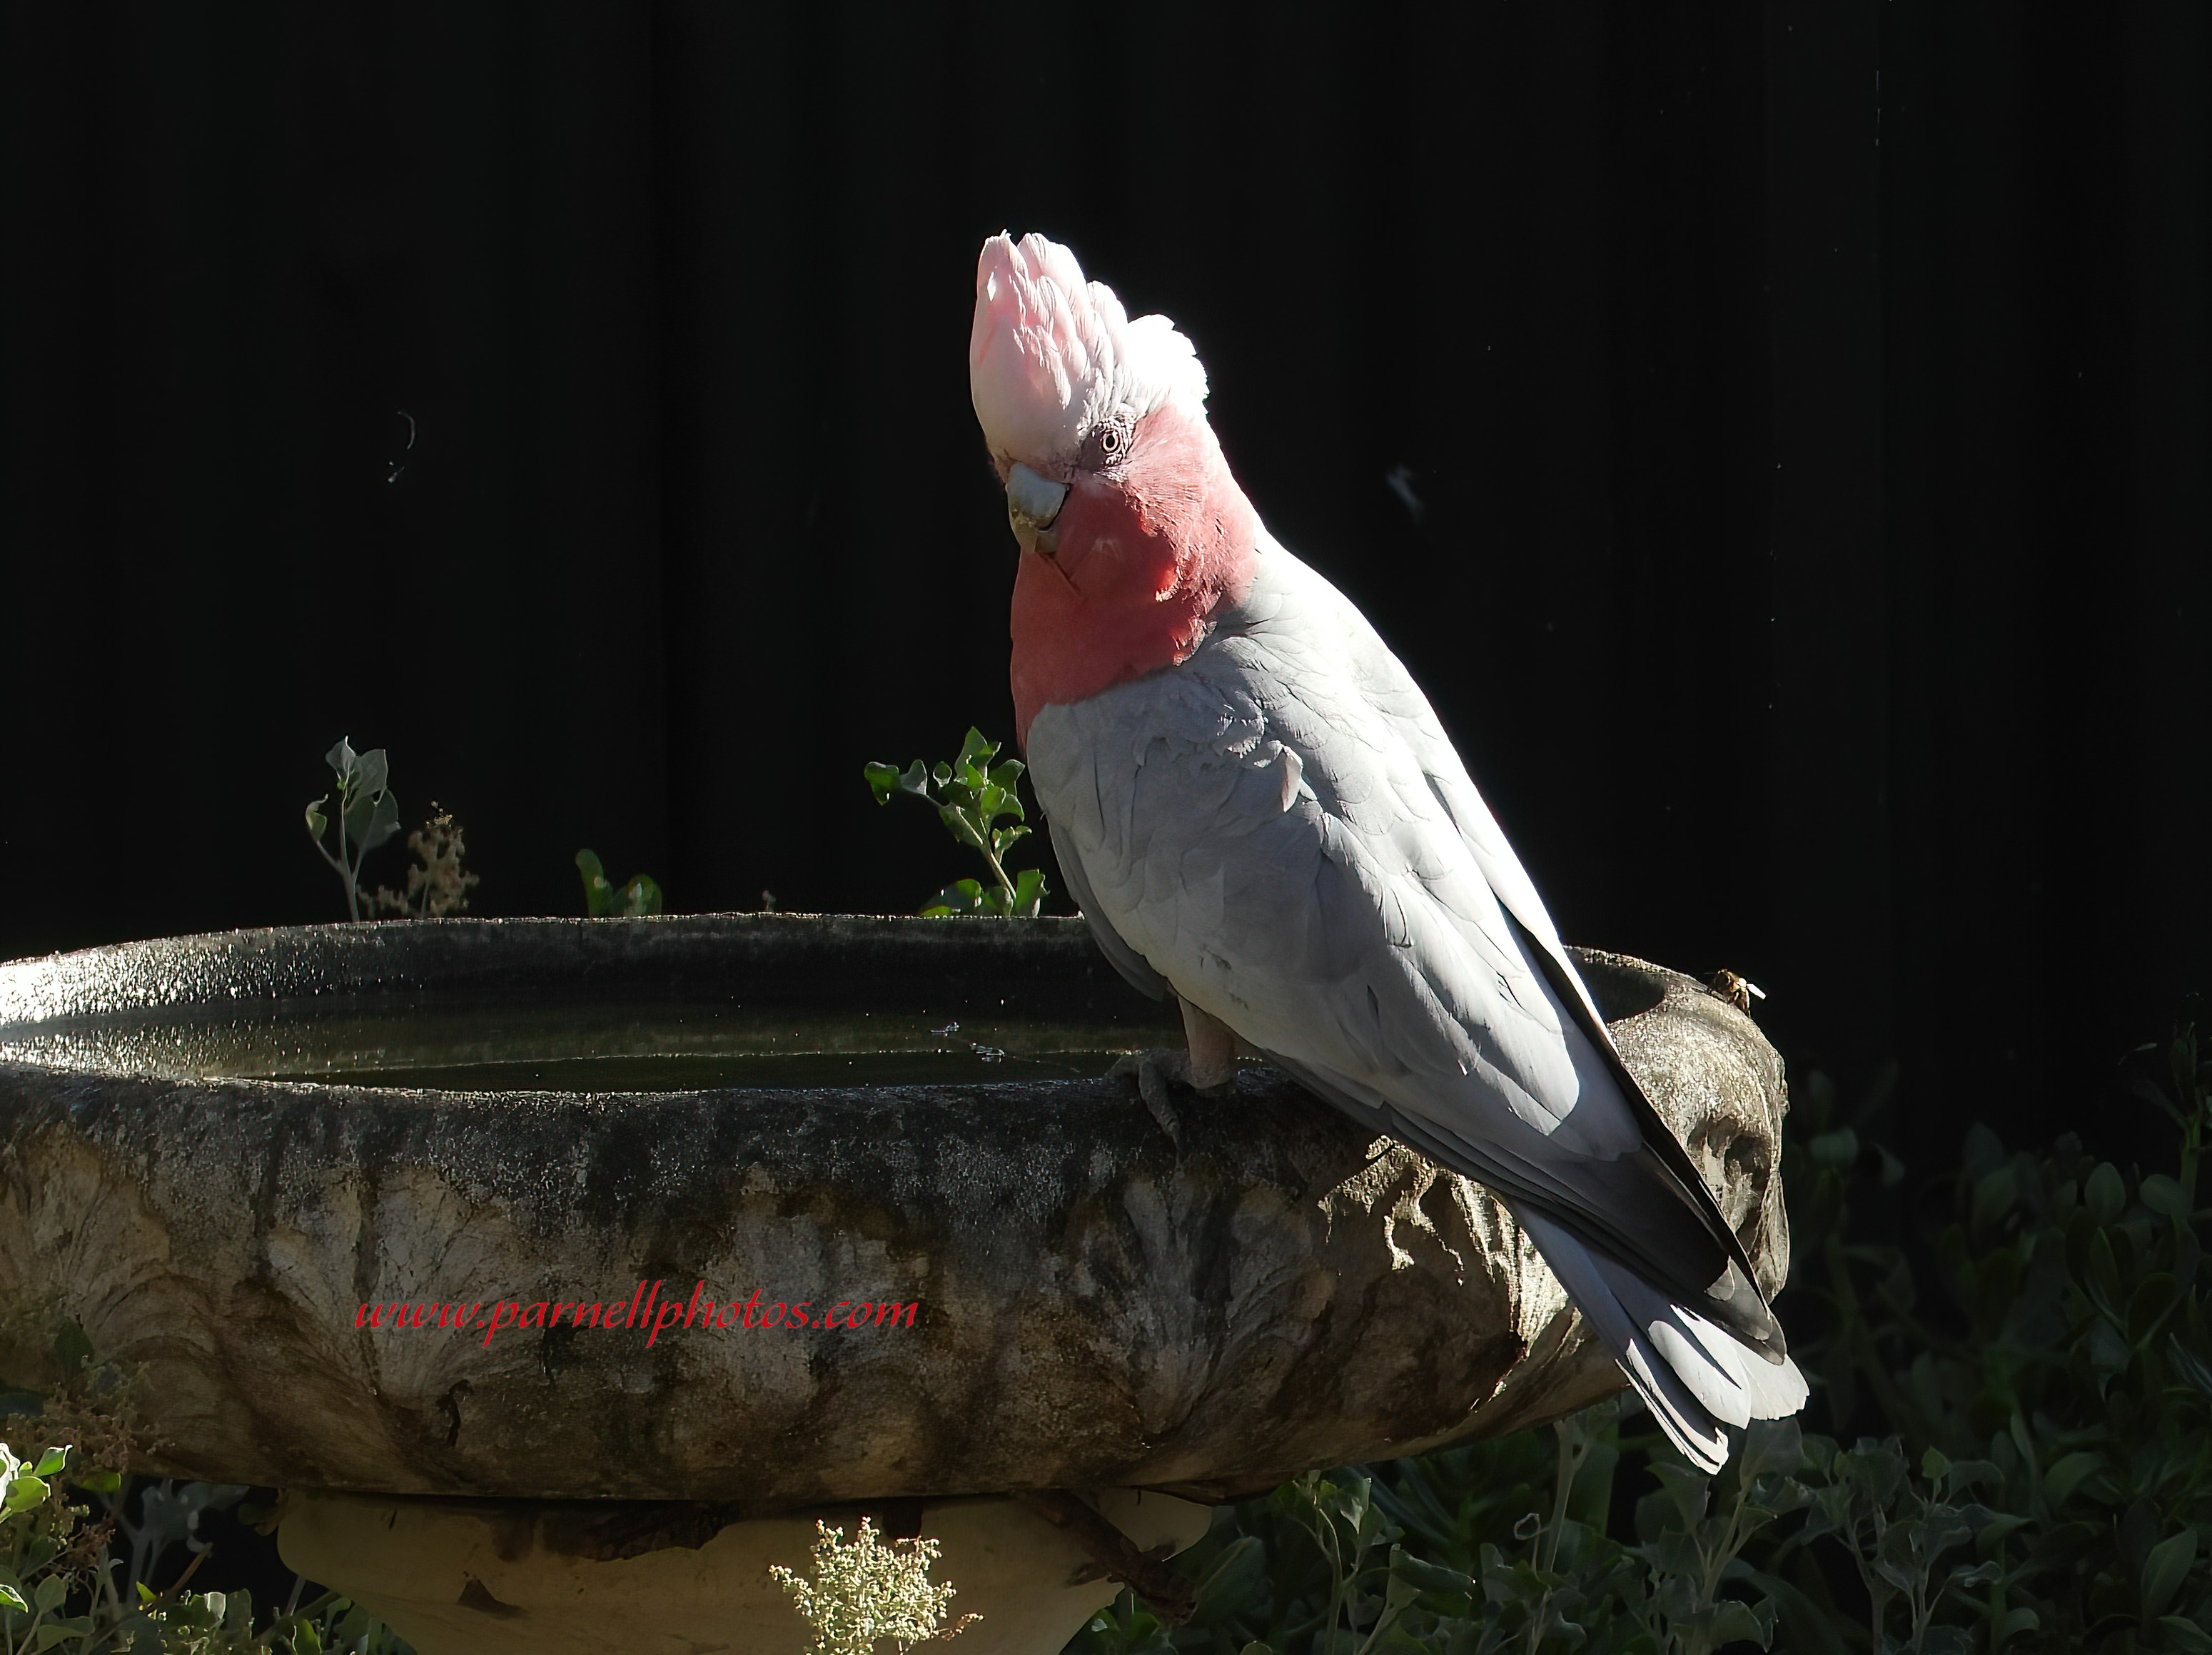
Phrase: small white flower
[867,1592]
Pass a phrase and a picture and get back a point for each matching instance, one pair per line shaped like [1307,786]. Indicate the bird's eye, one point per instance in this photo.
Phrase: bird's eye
[1108,444]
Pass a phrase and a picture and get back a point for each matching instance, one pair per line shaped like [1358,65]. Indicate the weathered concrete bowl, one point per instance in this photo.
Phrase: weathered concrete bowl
[216,1151]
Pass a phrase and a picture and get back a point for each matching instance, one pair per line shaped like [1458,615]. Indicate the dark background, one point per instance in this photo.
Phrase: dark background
[1808,402]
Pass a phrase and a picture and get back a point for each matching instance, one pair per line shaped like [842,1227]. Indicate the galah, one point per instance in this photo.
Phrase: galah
[1257,810]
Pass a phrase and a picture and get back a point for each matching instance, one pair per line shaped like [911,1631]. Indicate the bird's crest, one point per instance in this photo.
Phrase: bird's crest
[1053,356]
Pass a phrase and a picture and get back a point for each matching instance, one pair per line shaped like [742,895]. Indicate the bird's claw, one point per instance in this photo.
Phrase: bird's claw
[1158,1074]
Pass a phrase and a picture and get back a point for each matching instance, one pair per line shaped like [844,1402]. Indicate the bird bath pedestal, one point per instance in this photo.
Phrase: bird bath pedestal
[216,1151]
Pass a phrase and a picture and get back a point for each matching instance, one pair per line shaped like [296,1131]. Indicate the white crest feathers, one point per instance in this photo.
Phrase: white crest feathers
[1052,356]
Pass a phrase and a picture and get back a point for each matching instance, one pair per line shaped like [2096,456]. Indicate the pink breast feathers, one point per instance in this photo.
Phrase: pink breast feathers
[1147,552]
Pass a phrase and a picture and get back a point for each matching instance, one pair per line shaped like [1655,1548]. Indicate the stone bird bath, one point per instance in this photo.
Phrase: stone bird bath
[216,1150]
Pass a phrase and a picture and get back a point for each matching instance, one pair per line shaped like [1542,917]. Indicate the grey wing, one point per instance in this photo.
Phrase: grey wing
[1257,828]
[1385,682]
[1123,958]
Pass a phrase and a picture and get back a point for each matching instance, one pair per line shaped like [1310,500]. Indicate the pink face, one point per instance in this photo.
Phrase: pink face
[1127,574]
[1126,533]
[1132,530]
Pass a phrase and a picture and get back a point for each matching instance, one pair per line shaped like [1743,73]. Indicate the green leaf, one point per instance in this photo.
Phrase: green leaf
[975,750]
[2187,1365]
[2154,1299]
[2067,1475]
[372,771]
[2165,1569]
[1772,1448]
[641,895]
[51,1462]
[11,1598]
[883,780]
[381,823]
[2164,1197]
[101,1483]
[2106,1350]
[317,821]
[25,1492]
[341,759]
[1994,1194]
[2105,1195]
[2015,1622]
[962,897]
[599,895]
[2185,1635]
[1810,1626]
[1424,1576]
[2104,1281]
[1735,1621]
[1029,894]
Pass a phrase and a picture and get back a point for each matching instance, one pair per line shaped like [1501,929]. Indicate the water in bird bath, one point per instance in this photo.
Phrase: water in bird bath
[577,1044]
[674,1003]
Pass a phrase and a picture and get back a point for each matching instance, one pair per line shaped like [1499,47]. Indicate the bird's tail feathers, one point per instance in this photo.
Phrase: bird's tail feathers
[1699,1380]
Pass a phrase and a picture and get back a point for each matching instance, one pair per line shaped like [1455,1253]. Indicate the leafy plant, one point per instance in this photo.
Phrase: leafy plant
[604,899]
[1456,1551]
[367,814]
[2060,1374]
[972,795]
[80,1542]
[861,1594]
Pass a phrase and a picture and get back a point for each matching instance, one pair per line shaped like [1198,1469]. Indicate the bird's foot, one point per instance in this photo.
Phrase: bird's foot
[1158,1074]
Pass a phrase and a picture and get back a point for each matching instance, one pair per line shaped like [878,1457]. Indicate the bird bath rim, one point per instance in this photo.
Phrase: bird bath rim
[612,1008]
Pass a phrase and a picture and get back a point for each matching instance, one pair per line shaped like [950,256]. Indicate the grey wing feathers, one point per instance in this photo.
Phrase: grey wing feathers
[1124,959]
[1517,895]
[1279,831]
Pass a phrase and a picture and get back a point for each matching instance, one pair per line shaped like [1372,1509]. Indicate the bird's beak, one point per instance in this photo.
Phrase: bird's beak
[1032,507]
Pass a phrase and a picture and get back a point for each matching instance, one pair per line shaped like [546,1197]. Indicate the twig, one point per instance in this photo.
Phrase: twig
[1165,1592]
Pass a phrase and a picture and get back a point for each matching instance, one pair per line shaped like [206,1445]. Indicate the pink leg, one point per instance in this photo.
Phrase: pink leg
[1212,1048]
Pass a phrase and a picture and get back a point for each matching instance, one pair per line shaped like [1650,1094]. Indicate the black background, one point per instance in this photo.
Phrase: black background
[1809,402]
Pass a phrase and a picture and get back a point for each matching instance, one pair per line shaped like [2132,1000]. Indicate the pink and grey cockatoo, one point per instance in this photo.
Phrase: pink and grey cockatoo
[1258,811]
